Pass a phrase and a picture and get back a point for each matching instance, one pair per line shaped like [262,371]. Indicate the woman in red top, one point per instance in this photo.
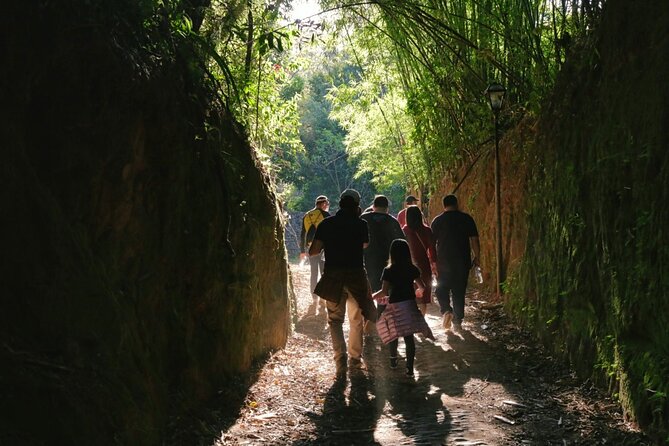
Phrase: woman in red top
[423,253]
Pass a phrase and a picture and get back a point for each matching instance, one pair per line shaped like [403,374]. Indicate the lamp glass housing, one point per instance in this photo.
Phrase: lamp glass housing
[495,94]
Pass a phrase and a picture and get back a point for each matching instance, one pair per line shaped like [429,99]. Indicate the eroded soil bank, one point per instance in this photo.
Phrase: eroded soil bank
[486,385]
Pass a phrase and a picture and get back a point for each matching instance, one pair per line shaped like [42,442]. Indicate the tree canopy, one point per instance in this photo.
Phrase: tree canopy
[386,95]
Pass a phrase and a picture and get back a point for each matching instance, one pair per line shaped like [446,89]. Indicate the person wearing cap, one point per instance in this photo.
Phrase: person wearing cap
[310,222]
[383,229]
[456,237]
[402,215]
[344,284]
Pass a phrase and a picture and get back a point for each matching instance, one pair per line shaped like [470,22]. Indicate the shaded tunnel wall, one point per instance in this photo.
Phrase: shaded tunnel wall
[584,212]
[143,258]
[596,273]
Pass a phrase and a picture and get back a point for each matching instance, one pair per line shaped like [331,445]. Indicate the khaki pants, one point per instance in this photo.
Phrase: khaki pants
[317,264]
[336,313]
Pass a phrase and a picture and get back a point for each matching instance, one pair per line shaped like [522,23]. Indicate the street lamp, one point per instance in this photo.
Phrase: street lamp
[495,93]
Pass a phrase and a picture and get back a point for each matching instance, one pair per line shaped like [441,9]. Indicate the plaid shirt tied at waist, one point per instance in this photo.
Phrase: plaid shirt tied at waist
[333,282]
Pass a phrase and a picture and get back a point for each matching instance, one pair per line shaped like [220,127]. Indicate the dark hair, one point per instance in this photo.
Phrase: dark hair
[414,217]
[347,202]
[400,255]
[450,200]
[381,201]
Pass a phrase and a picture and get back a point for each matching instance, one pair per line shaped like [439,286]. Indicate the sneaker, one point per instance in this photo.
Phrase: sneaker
[409,372]
[446,321]
[393,362]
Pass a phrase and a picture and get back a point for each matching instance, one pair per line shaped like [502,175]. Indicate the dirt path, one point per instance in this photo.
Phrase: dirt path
[486,385]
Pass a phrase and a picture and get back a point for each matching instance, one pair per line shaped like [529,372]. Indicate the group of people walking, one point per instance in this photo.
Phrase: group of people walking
[366,257]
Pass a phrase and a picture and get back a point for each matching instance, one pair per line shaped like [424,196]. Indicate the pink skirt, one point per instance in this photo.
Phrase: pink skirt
[401,319]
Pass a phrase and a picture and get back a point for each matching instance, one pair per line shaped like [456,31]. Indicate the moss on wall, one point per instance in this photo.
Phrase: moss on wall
[143,256]
[599,257]
[587,189]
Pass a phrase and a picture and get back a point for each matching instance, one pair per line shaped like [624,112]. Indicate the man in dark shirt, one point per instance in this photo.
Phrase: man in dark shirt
[383,229]
[456,236]
[344,282]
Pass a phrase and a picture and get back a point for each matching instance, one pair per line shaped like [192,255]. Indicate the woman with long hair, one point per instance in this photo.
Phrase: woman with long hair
[423,252]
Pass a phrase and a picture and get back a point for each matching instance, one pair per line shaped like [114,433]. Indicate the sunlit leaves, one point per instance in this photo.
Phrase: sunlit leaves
[416,100]
[373,109]
[251,57]
[447,52]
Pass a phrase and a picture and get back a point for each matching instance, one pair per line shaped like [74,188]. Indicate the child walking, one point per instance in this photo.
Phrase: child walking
[401,317]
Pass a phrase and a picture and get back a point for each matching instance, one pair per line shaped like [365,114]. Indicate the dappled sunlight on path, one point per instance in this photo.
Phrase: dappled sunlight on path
[482,385]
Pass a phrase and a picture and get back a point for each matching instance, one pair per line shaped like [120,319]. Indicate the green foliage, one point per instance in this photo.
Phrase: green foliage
[278,94]
[444,54]
[372,110]
[324,167]
[255,69]
[417,101]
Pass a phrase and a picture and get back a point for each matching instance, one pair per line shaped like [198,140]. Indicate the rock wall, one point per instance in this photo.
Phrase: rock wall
[595,274]
[143,256]
[292,234]
[584,193]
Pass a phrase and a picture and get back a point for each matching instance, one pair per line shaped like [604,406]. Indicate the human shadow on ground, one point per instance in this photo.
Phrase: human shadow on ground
[314,322]
[347,417]
[410,402]
[350,414]
[460,356]
[407,404]
[411,405]
[454,359]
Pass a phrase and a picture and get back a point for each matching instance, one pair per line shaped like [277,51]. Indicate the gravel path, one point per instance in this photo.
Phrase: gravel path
[489,384]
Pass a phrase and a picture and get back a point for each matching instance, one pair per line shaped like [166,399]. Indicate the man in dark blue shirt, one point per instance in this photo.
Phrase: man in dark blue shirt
[456,236]
[344,283]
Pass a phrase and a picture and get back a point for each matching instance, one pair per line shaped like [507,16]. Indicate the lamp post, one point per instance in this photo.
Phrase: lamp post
[495,93]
